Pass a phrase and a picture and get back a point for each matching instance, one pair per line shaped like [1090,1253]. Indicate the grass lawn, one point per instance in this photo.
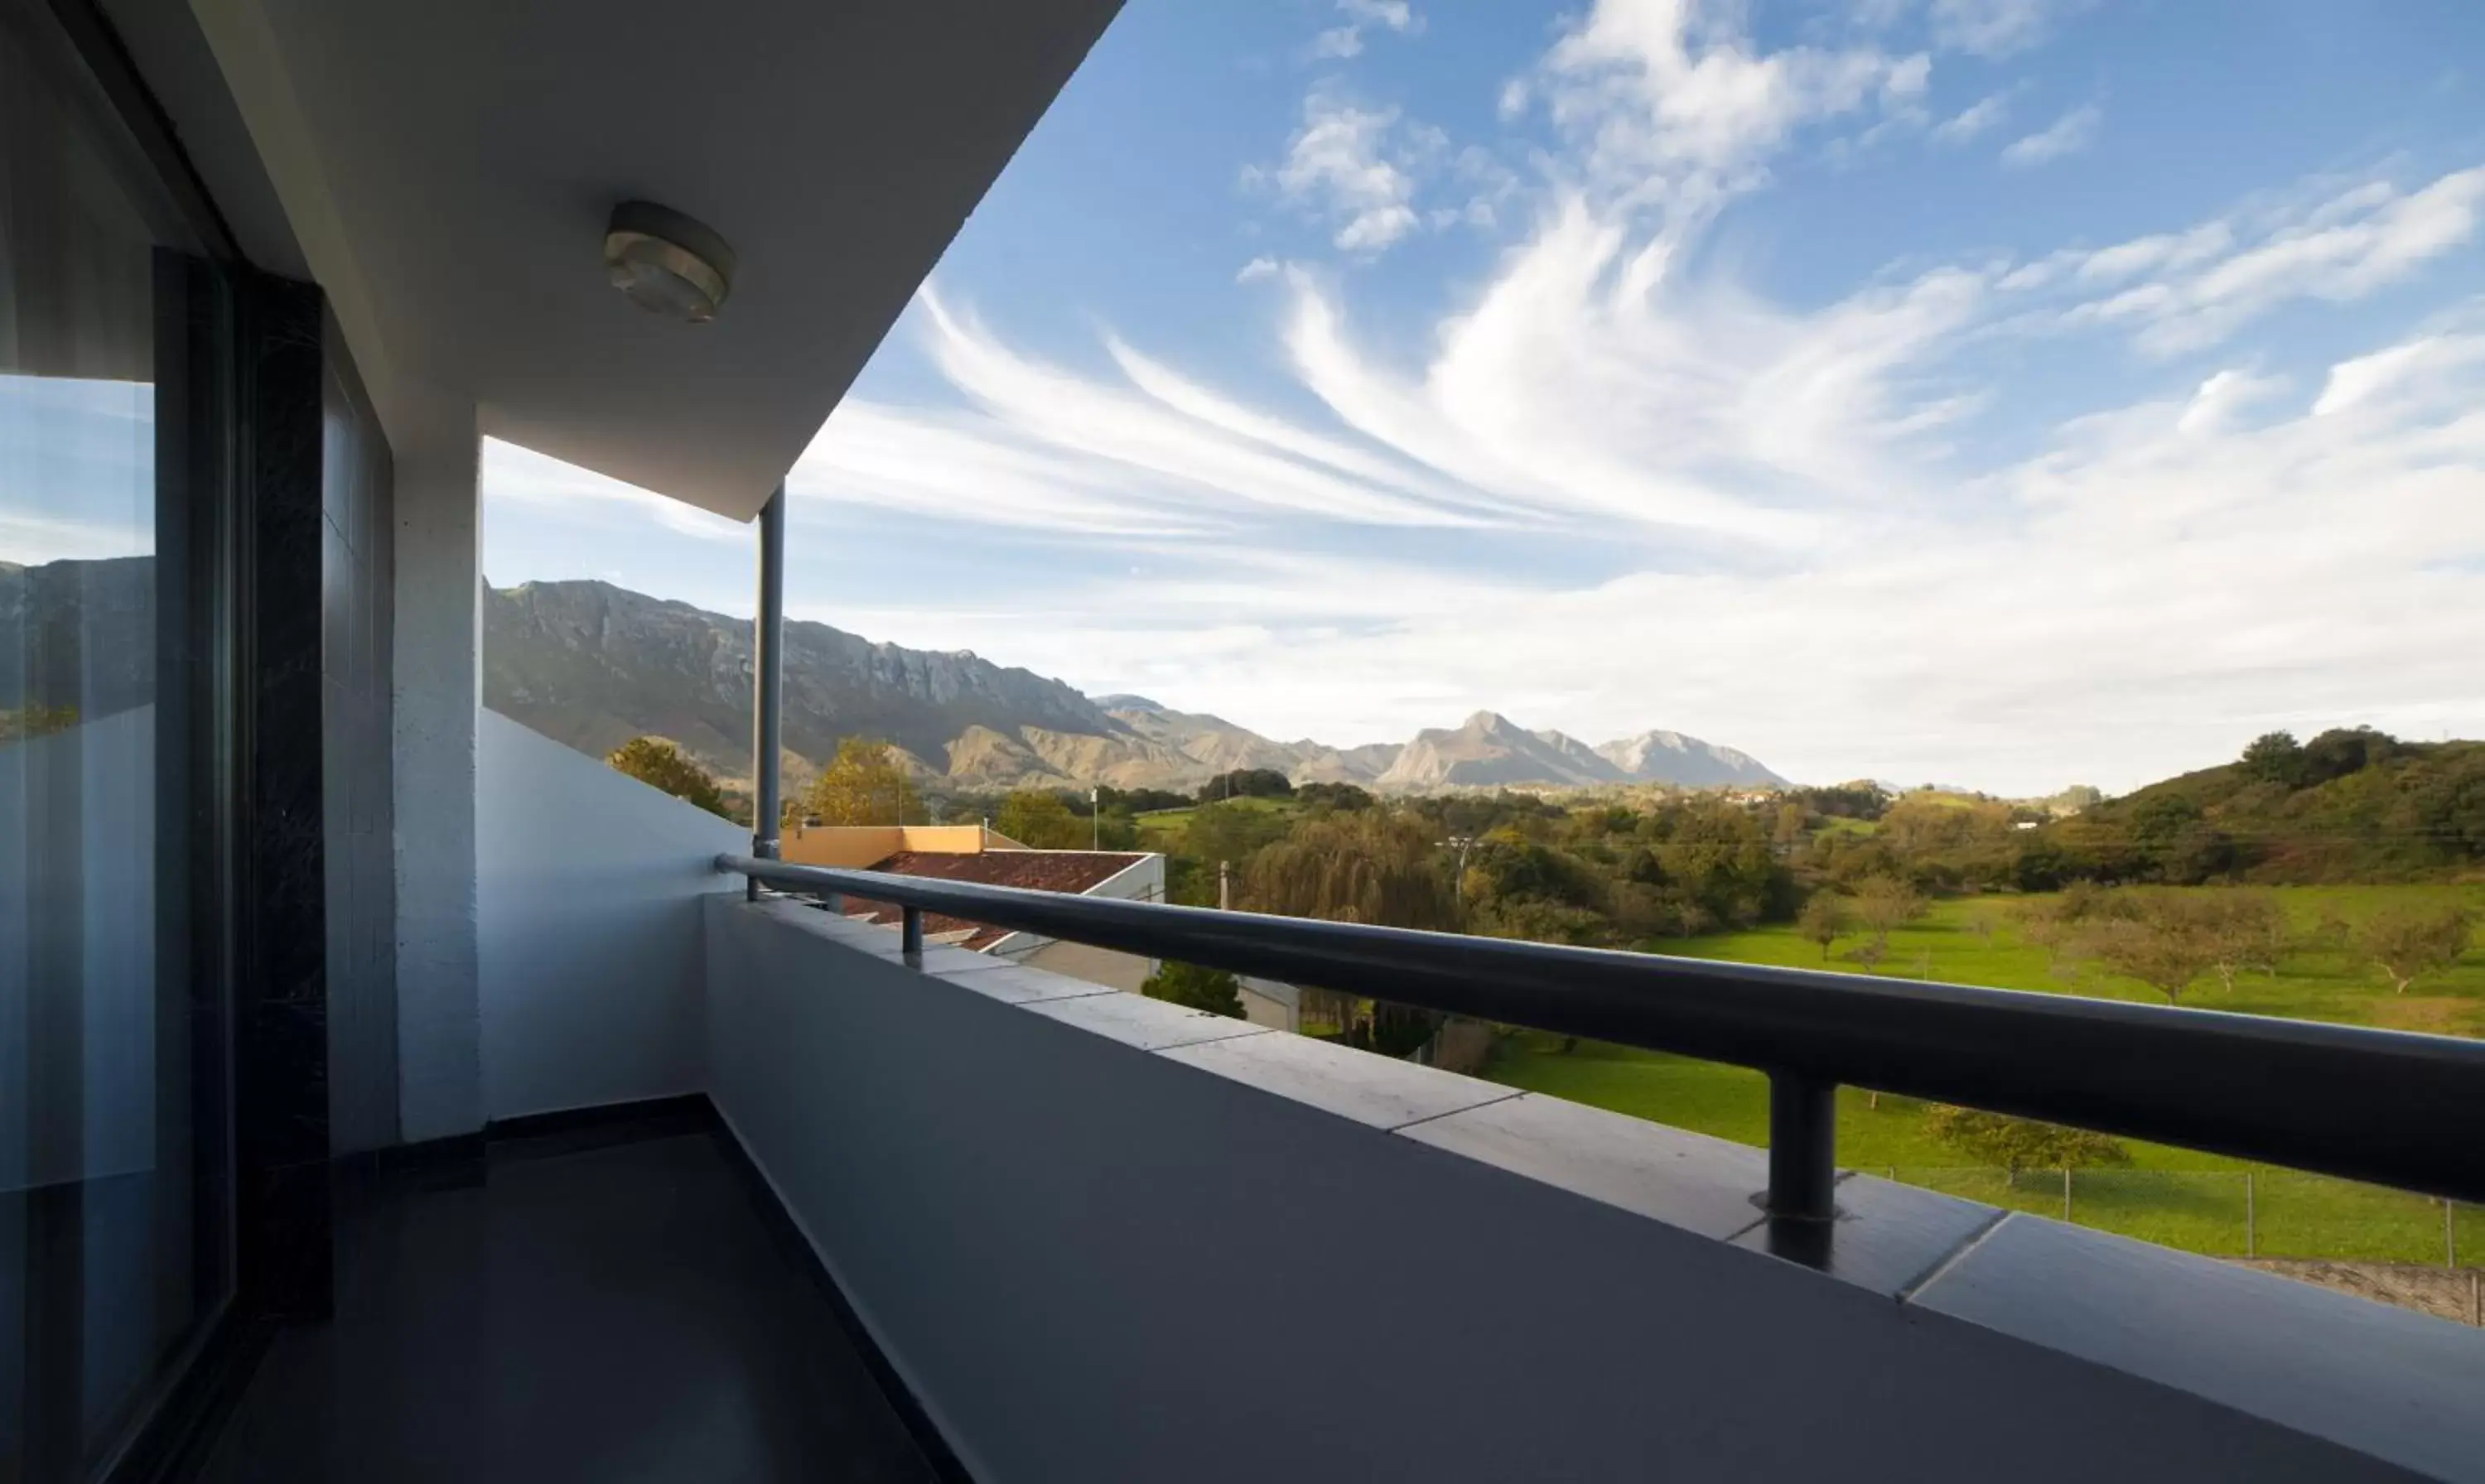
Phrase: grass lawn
[2177,1197]
[1163,829]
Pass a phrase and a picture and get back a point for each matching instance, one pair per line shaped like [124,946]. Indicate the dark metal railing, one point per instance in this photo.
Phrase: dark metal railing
[2384,1106]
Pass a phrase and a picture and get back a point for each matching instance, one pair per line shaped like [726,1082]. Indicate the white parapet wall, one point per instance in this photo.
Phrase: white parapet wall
[1101,1238]
[588,885]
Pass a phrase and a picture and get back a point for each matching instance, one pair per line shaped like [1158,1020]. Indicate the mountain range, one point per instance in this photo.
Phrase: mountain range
[592,665]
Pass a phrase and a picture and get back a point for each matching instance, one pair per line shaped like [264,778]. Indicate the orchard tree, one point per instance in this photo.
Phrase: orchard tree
[1884,904]
[2409,944]
[660,764]
[2163,946]
[1825,920]
[2020,1144]
[2244,929]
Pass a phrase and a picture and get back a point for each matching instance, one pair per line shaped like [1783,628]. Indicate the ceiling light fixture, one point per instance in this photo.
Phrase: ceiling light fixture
[668,264]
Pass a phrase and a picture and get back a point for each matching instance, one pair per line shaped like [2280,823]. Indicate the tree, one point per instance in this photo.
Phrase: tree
[1034,817]
[2163,945]
[1364,866]
[1246,783]
[2020,1144]
[1139,800]
[2275,756]
[1194,987]
[1884,904]
[2405,944]
[2245,930]
[861,785]
[1335,795]
[1234,833]
[660,764]
[2344,750]
[1824,920]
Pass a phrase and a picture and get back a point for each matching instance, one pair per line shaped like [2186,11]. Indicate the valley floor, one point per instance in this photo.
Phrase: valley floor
[2201,1203]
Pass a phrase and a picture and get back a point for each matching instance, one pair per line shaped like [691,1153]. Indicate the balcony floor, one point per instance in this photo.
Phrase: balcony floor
[616,1312]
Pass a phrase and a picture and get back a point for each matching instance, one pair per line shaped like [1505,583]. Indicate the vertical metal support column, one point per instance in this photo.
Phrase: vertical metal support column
[767,688]
[910,933]
[1803,1149]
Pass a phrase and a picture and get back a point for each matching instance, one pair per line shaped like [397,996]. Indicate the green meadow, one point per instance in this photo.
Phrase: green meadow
[2202,1202]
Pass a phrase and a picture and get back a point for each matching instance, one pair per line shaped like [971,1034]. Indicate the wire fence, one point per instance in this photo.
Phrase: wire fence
[2227,1213]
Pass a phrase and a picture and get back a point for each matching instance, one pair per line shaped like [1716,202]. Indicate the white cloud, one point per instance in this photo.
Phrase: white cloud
[2316,569]
[1761,487]
[2401,374]
[2222,399]
[1668,106]
[2198,287]
[2159,251]
[526,478]
[1356,167]
[1339,41]
[1973,120]
[1991,28]
[1258,268]
[1346,40]
[2066,135]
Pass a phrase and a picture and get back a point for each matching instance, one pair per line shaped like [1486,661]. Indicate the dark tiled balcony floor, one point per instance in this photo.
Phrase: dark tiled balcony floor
[623,1313]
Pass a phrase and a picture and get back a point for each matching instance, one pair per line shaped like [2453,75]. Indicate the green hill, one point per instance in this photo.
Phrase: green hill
[2348,806]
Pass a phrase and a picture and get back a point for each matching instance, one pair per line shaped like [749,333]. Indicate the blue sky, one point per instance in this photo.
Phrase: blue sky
[2007,392]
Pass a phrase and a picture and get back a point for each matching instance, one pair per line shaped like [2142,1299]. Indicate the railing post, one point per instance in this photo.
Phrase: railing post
[1803,1149]
[910,933]
[767,673]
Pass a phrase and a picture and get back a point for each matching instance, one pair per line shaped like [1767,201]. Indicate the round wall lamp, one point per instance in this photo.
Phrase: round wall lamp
[668,264]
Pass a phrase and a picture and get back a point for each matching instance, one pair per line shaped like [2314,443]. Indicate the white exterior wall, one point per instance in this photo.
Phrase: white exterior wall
[1268,1003]
[1142,880]
[590,964]
[1109,967]
[438,694]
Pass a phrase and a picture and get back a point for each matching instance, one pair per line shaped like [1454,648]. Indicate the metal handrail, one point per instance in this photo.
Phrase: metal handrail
[2391,1107]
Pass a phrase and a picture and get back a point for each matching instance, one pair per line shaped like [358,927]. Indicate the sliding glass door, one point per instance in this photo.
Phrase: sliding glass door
[116,773]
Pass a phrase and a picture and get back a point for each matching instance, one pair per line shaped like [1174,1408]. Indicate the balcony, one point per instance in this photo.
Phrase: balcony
[505,1119]
[1028,1227]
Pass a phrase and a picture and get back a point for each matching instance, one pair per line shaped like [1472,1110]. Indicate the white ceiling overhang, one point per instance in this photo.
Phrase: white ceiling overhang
[448,167]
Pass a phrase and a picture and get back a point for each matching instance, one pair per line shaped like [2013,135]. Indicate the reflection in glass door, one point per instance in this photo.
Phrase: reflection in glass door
[115,1215]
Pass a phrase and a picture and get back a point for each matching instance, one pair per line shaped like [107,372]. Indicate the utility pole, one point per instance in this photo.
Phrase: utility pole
[1224,887]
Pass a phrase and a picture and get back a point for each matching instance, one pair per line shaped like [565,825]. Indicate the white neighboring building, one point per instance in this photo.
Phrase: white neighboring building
[1132,875]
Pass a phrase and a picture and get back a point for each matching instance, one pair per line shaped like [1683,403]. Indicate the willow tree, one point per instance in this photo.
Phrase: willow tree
[1365,867]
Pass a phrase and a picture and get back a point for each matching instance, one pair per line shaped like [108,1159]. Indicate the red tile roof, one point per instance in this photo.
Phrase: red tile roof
[1068,870]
